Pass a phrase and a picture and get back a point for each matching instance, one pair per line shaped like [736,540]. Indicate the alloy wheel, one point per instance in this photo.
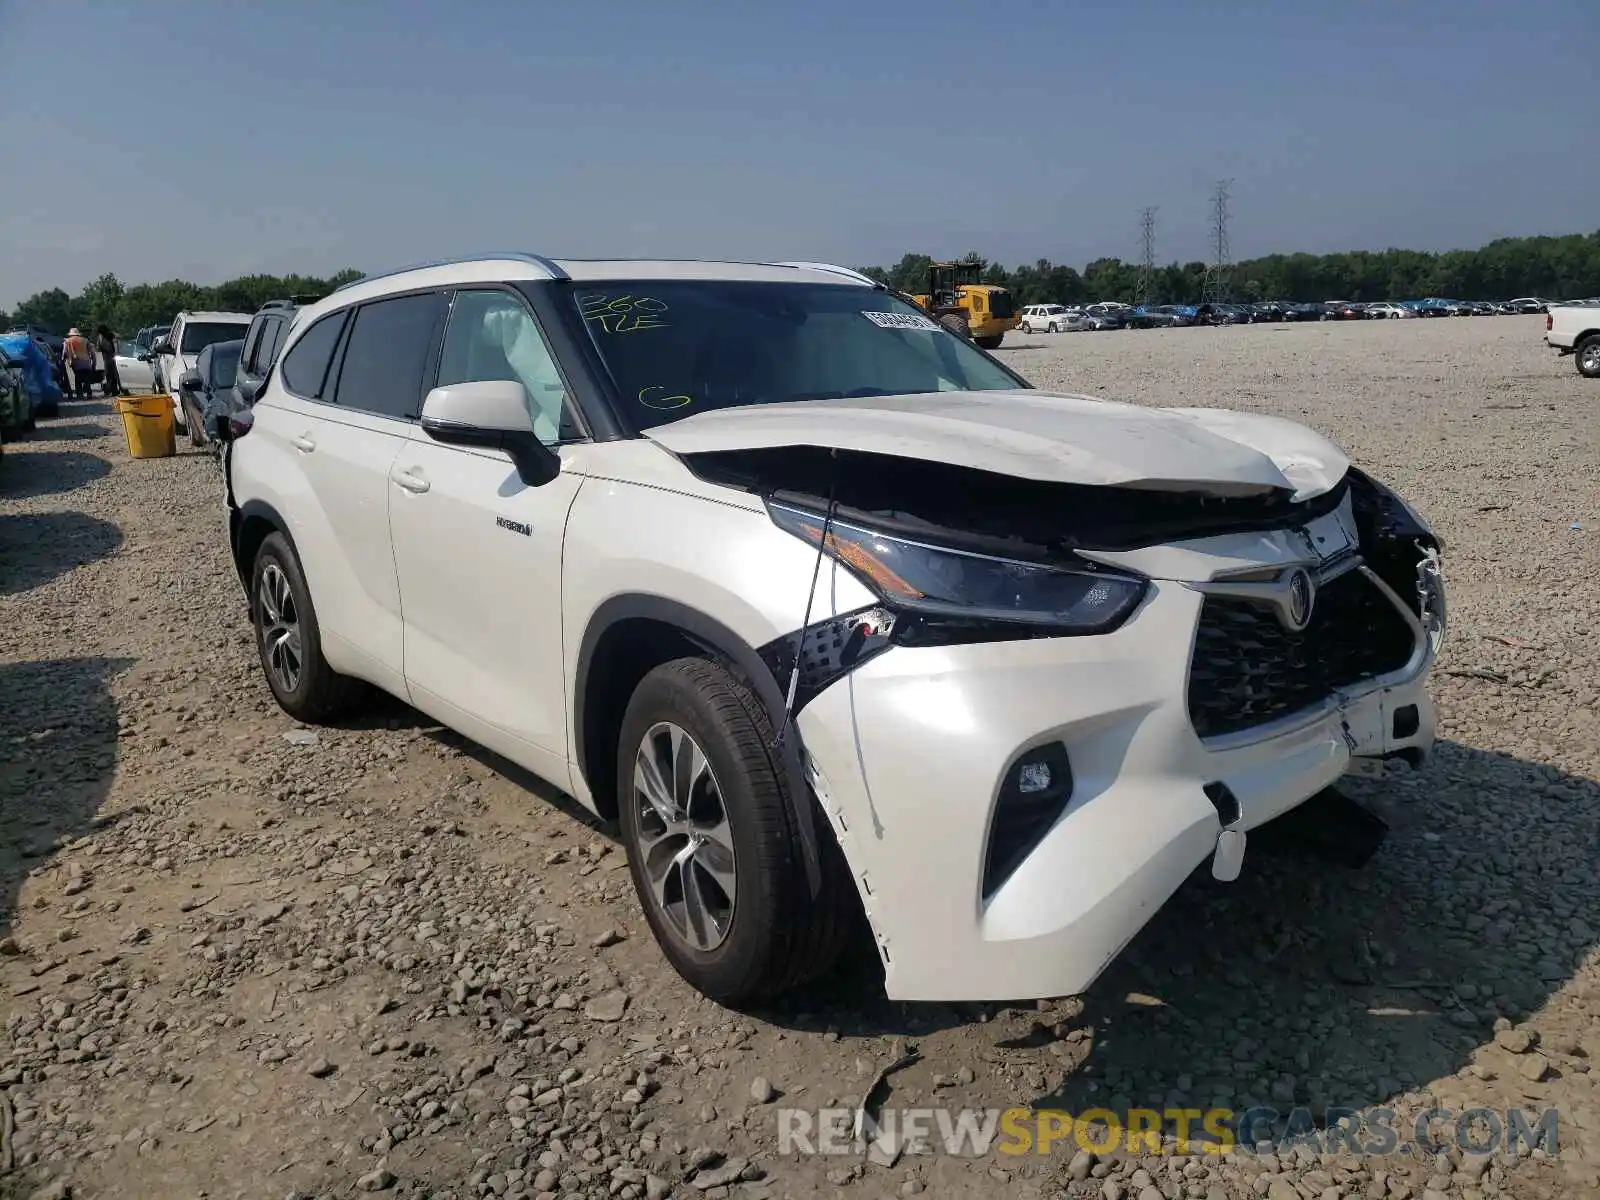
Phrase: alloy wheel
[685,841]
[280,627]
[1589,358]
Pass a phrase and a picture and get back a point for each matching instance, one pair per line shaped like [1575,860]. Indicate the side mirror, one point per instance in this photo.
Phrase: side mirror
[247,390]
[492,414]
[162,347]
[189,381]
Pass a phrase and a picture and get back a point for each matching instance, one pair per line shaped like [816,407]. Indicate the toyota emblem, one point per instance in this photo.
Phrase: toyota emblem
[1302,599]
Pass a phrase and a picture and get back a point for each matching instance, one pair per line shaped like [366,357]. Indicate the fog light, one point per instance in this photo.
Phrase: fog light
[1032,796]
[1033,777]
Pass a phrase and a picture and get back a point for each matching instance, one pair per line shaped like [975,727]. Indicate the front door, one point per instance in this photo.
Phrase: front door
[478,552]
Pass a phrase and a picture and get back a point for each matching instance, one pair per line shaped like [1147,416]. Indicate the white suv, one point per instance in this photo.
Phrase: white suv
[1052,318]
[179,350]
[835,615]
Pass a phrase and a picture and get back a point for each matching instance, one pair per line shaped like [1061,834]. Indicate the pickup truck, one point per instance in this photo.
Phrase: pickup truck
[1575,329]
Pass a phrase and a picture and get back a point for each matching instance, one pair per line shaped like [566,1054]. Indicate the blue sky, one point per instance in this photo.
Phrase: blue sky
[203,139]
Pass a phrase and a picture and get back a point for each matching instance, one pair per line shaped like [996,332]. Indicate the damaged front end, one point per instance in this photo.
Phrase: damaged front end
[958,555]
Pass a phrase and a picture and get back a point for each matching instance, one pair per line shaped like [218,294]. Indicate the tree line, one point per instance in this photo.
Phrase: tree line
[107,301]
[1559,268]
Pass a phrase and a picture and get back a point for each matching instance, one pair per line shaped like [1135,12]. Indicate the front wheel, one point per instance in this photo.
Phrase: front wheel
[1028,327]
[712,846]
[289,640]
[957,324]
[1588,356]
[1054,327]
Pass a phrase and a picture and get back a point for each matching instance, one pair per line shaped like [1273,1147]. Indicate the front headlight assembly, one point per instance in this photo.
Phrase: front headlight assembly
[944,584]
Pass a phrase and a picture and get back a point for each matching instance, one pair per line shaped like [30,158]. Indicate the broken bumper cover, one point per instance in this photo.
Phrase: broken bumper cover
[910,751]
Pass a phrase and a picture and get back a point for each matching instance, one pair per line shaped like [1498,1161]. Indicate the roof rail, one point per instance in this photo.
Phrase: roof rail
[538,260]
[833,270]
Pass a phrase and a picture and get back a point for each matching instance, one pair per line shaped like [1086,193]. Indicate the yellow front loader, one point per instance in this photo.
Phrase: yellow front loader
[959,300]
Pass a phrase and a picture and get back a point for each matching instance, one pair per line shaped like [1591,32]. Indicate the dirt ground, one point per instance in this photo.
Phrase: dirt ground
[240,958]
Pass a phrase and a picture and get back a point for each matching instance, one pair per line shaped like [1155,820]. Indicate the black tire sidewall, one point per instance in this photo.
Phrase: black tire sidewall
[1577,355]
[277,549]
[750,785]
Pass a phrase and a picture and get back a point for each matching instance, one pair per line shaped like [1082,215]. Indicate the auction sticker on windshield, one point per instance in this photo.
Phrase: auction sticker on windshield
[887,320]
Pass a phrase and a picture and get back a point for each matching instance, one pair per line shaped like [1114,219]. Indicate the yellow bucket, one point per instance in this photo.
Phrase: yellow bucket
[147,422]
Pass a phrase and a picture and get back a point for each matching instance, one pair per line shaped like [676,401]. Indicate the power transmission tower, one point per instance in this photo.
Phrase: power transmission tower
[1215,289]
[1147,259]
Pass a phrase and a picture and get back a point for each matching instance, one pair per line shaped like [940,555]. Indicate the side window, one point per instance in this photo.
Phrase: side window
[271,333]
[492,335]
[252,340]
[305,368]
[387,353]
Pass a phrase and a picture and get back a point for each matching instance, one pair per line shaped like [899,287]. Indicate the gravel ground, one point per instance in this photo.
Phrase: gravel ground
[244,959]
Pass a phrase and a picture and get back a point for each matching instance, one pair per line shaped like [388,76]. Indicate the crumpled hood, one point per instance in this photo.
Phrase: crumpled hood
[1047,436]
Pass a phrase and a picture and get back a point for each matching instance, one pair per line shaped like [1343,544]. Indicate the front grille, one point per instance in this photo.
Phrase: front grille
[1248,669]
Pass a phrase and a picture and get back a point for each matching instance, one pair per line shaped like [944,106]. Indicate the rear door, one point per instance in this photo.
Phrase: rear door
[344,440]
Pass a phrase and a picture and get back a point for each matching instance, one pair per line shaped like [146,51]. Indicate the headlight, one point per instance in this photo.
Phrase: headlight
[938,581]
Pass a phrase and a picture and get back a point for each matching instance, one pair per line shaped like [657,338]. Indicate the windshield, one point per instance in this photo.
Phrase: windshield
[129,349]
[201,334]
[225,363]
[679,347]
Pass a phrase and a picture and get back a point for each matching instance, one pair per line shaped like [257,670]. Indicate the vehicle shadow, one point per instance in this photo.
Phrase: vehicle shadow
[58,750]
[1305,982]
[57,432]
[25,476]
[86,408]
[37,548]
[387,712]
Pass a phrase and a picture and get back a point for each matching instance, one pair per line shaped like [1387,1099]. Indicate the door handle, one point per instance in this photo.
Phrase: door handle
[303,443]
[411,481]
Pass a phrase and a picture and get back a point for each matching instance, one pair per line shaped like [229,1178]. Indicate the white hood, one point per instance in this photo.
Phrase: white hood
[1047,436]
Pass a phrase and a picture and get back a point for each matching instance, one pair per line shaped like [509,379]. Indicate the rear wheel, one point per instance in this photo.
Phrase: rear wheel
[1588,356]
[712,846]
[990,343]
[289,640]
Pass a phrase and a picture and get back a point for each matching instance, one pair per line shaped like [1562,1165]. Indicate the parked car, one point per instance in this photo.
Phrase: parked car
[261,344]
[1387,310]
[206,390]
[179,350]
[1343,310]
[694,542]
[1575,329]
[1161,316]
[1052,318]
[1307,311]
[1090,321]
[134,370]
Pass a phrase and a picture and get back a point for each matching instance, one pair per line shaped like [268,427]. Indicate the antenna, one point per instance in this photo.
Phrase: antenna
[1216,286]
[1147,258]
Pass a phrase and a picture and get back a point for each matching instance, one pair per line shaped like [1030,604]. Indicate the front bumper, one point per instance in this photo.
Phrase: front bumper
[909,751]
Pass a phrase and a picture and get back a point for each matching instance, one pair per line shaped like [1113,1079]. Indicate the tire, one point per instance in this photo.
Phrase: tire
[280,598]
[989,343]
[197,437]
[1054,327]
[1027,328]
[1586,355]
[769,935]
[957,324]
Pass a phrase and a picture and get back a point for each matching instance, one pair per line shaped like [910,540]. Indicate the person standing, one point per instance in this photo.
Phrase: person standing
[79,356]
[106,343]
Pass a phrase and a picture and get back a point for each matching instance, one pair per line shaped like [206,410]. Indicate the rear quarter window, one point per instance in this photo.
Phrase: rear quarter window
[305,367]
